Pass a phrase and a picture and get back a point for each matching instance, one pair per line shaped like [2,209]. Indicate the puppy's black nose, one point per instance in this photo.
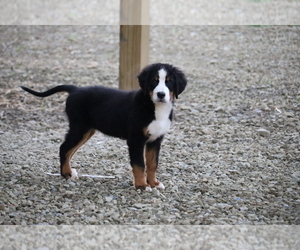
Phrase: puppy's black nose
[161,95]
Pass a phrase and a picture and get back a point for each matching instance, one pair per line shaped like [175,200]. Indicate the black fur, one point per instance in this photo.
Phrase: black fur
[122,114]
[177,78]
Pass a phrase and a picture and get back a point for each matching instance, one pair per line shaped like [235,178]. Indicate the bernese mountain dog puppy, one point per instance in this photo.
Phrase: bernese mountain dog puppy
[141,117]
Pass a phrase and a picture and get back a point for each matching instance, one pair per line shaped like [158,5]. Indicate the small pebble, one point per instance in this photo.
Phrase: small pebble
[263,132]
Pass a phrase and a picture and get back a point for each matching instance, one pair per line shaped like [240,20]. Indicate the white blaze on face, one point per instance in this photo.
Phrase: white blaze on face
[161,88]
[163,108]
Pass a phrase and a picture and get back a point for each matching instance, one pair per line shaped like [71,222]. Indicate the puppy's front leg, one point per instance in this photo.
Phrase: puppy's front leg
[152,155]
[136,154]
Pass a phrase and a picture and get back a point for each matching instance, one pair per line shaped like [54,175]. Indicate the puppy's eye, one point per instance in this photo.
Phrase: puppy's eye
[168,82]
[156,79]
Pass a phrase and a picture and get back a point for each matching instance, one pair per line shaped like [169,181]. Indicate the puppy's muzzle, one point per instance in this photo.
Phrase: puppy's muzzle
[161,96]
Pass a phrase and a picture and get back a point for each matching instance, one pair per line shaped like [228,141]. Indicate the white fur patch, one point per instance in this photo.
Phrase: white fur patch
[160,186]
[161,88]
[162,123]
[162,73]
[74,174]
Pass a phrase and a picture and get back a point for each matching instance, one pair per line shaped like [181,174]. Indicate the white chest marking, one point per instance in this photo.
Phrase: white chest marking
[162,123]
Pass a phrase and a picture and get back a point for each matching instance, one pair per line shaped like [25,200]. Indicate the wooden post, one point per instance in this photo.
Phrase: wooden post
[134,41]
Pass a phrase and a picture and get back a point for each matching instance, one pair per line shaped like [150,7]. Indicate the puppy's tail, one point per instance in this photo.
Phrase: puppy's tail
[60,88]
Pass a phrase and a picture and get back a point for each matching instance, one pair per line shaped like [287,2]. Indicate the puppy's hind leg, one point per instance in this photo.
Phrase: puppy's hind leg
[75,138]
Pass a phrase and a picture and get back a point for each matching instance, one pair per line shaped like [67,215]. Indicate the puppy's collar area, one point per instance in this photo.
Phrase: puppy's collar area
[162,123]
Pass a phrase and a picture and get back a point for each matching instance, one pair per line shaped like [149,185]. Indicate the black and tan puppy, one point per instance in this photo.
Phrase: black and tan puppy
[141,117]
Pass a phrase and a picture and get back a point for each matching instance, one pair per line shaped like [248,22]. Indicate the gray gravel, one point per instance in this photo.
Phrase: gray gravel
[231,157]
[179,12]
[149,237]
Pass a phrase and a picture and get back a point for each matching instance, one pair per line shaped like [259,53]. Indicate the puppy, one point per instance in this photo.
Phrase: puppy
[141,117]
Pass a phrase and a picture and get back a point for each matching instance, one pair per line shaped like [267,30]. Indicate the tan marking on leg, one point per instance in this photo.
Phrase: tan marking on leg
[66,168]
[151,163]
[139,176]
[85,138]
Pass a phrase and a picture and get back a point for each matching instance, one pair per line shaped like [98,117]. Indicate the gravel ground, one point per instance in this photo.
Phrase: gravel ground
[179,12]
[150,237]
[231,157]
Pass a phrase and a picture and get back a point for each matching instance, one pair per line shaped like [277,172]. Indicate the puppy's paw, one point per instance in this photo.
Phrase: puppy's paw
[160,186]
[157,185]
[146,188]
[74,174]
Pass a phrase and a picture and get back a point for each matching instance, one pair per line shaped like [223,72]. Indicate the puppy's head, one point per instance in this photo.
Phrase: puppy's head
[162,82]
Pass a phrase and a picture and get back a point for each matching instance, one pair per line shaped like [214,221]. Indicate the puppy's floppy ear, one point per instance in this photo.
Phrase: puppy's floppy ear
[143,77]
[180,81]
